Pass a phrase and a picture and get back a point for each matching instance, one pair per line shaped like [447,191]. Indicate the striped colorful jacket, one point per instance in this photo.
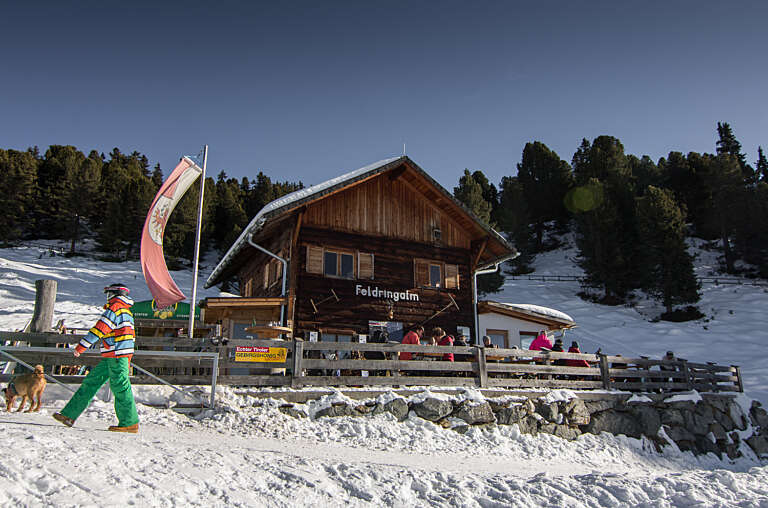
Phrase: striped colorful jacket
[114,328]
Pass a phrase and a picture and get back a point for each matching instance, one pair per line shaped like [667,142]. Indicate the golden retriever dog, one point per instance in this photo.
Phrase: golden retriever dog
[29,386]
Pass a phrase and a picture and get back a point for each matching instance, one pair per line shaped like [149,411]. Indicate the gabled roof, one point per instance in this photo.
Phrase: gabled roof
[302,197]
[528,312]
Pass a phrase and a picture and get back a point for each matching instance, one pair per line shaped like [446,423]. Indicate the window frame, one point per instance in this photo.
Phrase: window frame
[440,275]
[428,264]
[497,331]
[339,253]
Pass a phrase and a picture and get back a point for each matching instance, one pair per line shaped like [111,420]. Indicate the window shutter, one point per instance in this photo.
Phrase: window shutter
[365,265]
[421,272]
[314,259]
[452,276]
[247,283]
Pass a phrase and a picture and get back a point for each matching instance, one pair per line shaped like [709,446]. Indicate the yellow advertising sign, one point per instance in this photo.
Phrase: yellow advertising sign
[260,354]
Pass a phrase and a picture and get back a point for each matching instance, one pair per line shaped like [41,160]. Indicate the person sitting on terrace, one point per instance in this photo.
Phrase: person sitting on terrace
[669,368]
[443,339]
[558,348]
[541,342]
[576,363]
[461,341]
[487,342]
[411,337]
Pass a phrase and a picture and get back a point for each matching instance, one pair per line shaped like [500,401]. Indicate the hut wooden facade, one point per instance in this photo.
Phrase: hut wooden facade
[382,247]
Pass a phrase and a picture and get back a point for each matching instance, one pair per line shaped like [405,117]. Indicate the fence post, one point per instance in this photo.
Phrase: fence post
[687,373]
[298,354]
[739,381]
[482,368]
[45,298]
[604,372]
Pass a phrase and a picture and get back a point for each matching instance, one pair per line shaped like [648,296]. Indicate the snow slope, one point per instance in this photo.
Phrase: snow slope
[734,332]
[253,455]
[247,453]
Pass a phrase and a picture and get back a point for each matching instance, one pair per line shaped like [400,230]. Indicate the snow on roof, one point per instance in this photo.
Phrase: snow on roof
[258,221]
[537,309]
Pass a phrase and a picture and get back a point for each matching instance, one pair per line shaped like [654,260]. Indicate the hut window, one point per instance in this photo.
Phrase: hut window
[498,338]
[274,268]
[452,276]
[339,264]
[330,263]
[435,276]
[347,266]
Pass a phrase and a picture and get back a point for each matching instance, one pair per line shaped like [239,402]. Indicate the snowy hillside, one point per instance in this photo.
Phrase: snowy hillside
[248,453]
[734,331]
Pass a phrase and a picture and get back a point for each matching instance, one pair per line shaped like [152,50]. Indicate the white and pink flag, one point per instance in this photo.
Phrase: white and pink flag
[161,285]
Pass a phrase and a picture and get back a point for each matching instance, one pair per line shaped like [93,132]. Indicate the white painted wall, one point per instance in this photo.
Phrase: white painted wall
[513,326]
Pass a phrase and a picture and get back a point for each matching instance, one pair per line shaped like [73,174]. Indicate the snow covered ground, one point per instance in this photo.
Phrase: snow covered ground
[247,453]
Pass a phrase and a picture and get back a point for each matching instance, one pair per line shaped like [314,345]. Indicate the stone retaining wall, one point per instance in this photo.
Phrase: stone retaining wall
[702,424]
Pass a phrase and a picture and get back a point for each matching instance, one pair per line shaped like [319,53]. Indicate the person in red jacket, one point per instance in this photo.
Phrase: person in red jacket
[541,342]
[412,337]
[575,363]
[443,339]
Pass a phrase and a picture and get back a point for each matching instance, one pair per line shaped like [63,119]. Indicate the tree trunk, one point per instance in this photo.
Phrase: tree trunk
[75,234]
[539,236]
[45,298]
[729,265]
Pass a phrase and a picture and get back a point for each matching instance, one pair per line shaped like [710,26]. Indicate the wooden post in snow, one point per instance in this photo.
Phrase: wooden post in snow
[45,298]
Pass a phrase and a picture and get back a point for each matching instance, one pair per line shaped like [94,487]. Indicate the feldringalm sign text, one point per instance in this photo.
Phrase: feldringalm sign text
[384,294]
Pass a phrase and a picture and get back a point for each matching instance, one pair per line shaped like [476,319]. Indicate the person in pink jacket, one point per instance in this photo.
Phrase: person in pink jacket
[541,342]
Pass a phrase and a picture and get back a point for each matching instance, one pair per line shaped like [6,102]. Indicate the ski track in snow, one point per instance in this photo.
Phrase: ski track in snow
[247,453]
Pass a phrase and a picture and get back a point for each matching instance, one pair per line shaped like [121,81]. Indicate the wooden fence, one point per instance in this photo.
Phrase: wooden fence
[361,364]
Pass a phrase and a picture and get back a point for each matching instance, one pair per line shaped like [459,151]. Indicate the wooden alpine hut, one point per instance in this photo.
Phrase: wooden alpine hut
[384,247]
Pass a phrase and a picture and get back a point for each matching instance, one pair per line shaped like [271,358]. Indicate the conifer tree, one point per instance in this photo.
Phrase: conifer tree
[761,165]
[80,185]
[470,193]
[18,171]
[126,192]
[644,173]
[490,194]
[665,267]
[728,144]
[229,218]
[751,233]
[545,180]
[676,174]
[719,198]
[603,203]
[514,221]
[57,162]
[157,177]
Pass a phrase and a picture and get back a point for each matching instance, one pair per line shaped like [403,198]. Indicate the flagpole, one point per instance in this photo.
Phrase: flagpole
[191,333]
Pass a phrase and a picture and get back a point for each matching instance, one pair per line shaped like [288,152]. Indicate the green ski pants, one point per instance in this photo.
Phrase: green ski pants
[116,371]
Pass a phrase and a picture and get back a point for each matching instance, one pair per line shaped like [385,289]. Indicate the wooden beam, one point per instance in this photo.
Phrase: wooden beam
[236,302]
[480,251]
[295,238]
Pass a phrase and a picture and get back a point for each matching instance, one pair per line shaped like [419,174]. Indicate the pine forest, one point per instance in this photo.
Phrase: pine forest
[630,216]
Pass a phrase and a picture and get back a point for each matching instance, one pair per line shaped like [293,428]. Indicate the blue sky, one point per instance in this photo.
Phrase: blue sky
[308,90]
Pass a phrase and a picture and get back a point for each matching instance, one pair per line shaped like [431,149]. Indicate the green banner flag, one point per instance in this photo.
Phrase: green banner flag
[148,310]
